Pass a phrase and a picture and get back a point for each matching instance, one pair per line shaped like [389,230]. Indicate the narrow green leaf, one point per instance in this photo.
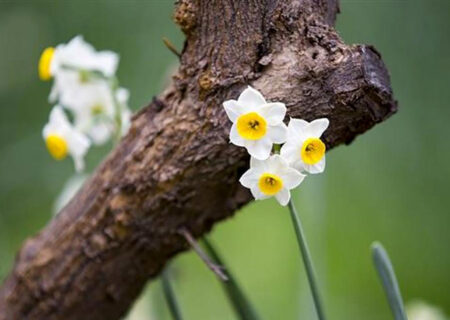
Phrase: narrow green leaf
[388,280]
[170,296]
[239,301]
[307,261]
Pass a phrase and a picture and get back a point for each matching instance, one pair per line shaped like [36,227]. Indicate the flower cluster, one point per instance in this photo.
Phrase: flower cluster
[257,126]
[89,106]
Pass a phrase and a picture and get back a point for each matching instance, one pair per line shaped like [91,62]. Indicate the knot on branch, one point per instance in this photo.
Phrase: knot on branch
[185,16]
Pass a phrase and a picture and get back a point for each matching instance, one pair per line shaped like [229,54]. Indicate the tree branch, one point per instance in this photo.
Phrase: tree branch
[176,169]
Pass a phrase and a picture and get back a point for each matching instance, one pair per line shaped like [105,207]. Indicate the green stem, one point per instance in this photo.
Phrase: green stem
[239,301]
[306,260]
[388,280]
[170,296]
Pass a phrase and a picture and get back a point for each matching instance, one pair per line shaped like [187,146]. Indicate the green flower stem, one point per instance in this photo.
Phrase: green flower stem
[276,148]
[307,260]
[239,301]
[388,280]
[170,296]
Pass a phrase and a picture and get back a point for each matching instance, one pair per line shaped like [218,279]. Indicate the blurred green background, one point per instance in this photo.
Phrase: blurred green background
[390,185]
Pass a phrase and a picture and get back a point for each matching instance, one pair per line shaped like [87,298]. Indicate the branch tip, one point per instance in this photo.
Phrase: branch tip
[217,269]
[171,47]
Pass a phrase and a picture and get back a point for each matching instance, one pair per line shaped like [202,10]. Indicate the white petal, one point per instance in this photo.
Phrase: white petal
[276,164]
[259,149]
[317,127]
[53,94]
[126,121]
[79,163]
[122,96]
[106,62]
[65,81]
[78,147]
[298,165]
[235,138]
[233,109]
[46,131]
[292,178]
[296,129]
[58,116]
[283,196]
[290,151]
[274,112]
[100,132]
[255,163]
[277,134]
[257,194]
[251,98]
[57,123]
[250,178]
[319,167]
[80,54]
[78,143]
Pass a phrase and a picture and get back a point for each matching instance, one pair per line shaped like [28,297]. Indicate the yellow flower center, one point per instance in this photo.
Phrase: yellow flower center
[97,110]
[270,184]
[45,62]
[313,150]
[251,126]
[84,76]
[56,146]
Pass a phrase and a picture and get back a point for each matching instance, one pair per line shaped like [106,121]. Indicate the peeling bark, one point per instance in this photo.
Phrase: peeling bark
[176,169]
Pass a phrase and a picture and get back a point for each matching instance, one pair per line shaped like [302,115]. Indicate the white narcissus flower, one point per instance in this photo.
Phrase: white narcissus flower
[420,310]
[94,109]
[257,124]
[97,111]
[77,54]
[72,65]
[94,105]
[61,138]
[303,149]
[271,177]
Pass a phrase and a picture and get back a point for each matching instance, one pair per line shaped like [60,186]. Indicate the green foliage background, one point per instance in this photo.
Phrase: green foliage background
[391,184]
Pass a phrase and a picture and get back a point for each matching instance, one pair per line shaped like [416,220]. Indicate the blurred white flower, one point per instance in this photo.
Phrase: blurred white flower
[85,86]
[271,177]
[303,149]
[257,124]
[420,310]
[76,54]
[61,138]
[94,109]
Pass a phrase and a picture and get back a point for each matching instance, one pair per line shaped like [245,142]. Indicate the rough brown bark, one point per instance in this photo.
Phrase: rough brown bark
[176,167]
